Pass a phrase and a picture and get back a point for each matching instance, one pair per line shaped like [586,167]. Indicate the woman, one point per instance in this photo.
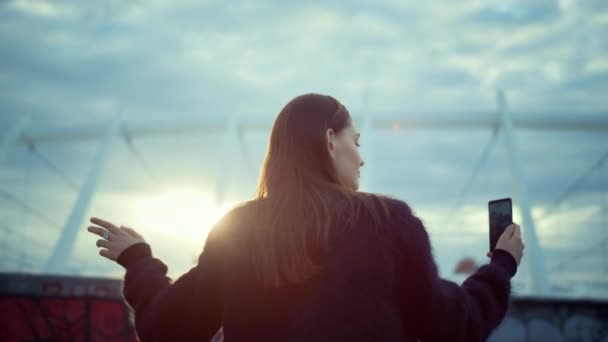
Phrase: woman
[312,259]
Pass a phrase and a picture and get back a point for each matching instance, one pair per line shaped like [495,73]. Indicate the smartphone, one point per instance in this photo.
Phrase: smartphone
[501,216]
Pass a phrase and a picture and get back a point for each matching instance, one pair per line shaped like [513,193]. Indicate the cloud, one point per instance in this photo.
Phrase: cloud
[507,13]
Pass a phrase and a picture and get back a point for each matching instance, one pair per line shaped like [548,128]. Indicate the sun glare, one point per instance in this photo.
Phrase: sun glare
[190,215]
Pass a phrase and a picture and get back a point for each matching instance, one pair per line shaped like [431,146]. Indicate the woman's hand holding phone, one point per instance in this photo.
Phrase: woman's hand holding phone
[510,241]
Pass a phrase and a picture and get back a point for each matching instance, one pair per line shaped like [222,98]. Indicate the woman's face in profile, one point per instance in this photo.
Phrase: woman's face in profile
[344,152]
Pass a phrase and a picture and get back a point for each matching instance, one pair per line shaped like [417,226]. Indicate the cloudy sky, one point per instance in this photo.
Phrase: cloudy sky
[73,64]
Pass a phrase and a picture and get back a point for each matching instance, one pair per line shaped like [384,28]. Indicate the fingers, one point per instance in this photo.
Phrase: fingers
[489,254]
[103,243]
[109,226]
[120,237]
[108,254]
[510,230]
[517,231]
[96,230]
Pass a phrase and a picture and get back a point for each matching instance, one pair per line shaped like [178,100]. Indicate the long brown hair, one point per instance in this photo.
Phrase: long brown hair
[300,194]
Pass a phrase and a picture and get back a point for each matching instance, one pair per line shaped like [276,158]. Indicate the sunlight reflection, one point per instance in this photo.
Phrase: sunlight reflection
[190,214]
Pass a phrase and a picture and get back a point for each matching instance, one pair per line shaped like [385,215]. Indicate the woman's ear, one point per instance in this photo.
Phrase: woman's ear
[330,136]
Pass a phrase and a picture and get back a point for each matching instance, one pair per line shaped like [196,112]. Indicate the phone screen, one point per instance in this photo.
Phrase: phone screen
[501,216]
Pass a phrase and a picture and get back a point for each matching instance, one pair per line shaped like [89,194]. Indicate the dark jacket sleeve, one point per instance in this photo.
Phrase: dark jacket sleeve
[441,310]
[187,309]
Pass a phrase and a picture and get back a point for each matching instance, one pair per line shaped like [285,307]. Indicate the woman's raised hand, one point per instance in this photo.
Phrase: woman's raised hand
[510,241]
[114,239]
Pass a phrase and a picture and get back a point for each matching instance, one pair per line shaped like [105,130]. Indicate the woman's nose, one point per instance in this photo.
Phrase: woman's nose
[361,163]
